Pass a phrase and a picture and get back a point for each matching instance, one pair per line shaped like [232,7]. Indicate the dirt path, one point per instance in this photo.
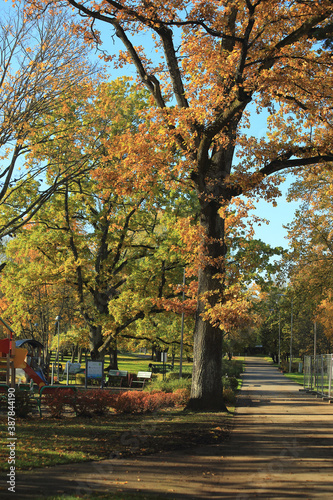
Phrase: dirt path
[280,448]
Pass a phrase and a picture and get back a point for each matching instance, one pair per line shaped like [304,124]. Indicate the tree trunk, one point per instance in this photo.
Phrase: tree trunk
[95,342]
[113,357]
[206,389]
[74,353]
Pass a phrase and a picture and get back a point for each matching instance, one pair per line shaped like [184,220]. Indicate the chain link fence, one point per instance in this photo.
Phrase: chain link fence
[318,374]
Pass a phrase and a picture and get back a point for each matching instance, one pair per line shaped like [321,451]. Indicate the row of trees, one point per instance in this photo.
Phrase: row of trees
[151,184]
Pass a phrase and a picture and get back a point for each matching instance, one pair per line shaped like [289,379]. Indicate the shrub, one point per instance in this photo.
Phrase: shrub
[93,402]
[229,397]
[181,396]
[232,368]
[147,402]
[84,402]
[175,375]
[169,385]
[23,404]
[230,383]
[132,402]
[58,400]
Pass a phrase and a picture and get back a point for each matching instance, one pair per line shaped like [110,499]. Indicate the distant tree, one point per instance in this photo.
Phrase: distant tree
[310,261]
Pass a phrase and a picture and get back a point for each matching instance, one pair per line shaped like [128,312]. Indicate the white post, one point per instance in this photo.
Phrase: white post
[330,377]
[182,331]
[279,337]
[58,318]
[315,339]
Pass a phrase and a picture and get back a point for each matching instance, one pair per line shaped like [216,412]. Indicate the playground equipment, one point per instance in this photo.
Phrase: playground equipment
[33,366]
[12,356]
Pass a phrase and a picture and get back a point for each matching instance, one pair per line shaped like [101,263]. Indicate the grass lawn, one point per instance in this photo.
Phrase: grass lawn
[44,442]
[131,362]
[139,362]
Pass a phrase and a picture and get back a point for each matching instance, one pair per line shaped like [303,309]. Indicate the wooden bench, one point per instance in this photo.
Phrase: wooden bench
[51,389]
[141,378]
[160,368]
[116,378]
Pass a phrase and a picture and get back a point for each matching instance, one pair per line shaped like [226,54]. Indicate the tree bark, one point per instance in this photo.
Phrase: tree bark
[95,341]
[206,389]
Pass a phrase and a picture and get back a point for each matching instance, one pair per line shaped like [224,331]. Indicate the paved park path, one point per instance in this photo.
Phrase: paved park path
[281,447]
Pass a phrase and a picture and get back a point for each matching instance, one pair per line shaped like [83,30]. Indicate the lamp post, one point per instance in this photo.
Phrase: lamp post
[58,318]
[280,295]
[279,337]
[182,331]
[315,339]
[291,336]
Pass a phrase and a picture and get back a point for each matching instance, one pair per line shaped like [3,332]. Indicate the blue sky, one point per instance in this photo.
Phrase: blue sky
[274,233]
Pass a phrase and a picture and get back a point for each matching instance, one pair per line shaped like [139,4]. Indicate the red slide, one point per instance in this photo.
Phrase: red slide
[36,378]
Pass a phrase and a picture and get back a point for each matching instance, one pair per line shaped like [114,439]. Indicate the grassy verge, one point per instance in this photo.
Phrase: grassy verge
[43,442]
[296,377]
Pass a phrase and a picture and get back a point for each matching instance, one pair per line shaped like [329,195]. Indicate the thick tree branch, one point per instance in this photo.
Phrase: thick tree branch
[124,233]
[172,62]
[304,30]
[283,163]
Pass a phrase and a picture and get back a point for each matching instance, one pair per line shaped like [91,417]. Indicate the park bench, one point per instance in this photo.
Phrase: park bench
[52,389]
[160,368]
[141,378]
[117,378]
